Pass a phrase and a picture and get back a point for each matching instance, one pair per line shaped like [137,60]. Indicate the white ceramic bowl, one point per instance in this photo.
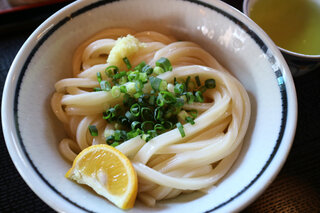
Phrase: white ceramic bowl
[32,132]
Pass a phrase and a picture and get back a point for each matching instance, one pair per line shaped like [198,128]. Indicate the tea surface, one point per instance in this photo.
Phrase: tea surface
[292,24]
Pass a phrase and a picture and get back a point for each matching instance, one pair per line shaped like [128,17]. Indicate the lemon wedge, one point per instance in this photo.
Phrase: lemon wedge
[108,172]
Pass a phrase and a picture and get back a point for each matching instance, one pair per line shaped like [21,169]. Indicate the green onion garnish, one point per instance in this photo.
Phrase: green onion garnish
[135,124]
[105,85]
[129,116]
[190,120]
[99,77]
[123,89]
[93,130]
[193,113]
[181,130]
[127,62]
[198,81]
[155,82]
[148,114]
[203,89]
[115,91]
[111,70]
[210,83]
[159,127]
[158,70]
[135,109]
[158,114]
[199,97]
[114,144]
[160,100]
[179,89]
[164,63]
[147,125]
[147,69]
[140,66]
[187,83]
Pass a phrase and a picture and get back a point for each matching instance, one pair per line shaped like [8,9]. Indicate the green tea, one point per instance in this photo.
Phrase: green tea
[292,24]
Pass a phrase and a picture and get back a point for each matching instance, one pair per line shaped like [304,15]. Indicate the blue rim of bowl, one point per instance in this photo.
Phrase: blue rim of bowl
[252,34]
[245,10]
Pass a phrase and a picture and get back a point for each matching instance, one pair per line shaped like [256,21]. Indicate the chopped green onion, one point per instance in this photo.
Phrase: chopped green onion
[114,144]
[132,76]
[202,89]
[164,63]
[110,139]
[138,94]
[152,133]
[199,97]
[139,85]
[147,69]
[181,130]
[127,99]
[129,116]
[147,125]
[198,81]
[190,97]
[135,109]
[168,97]
[115,91]
[127,62]
[145,137]
[152,100]
[179,88]
[105,85]
[190,120]
[160,100]
[123,121]
[123,80]
[140,66]
[159,127]
[123,89]
[99,77]
[119,75]
[193,113]
[143,77]
[97,89]
[111,70]
[187,83]
[117,135]
[158,114]
[135,124]
[210,83]
[131,87]
[158,70]
[163,85]
[155,82]
[179,102]
[146,113]
[170,88]
[93,130]
[167,124]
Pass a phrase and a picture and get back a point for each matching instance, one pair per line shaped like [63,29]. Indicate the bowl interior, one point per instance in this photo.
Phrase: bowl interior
[221,30]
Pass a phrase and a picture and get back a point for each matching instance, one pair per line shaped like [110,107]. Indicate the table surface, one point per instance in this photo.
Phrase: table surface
[296,188]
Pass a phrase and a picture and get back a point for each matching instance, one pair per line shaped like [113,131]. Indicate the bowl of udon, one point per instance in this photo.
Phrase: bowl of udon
[151,106]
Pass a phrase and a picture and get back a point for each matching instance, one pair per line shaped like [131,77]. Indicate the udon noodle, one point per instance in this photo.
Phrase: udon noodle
[168,164]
